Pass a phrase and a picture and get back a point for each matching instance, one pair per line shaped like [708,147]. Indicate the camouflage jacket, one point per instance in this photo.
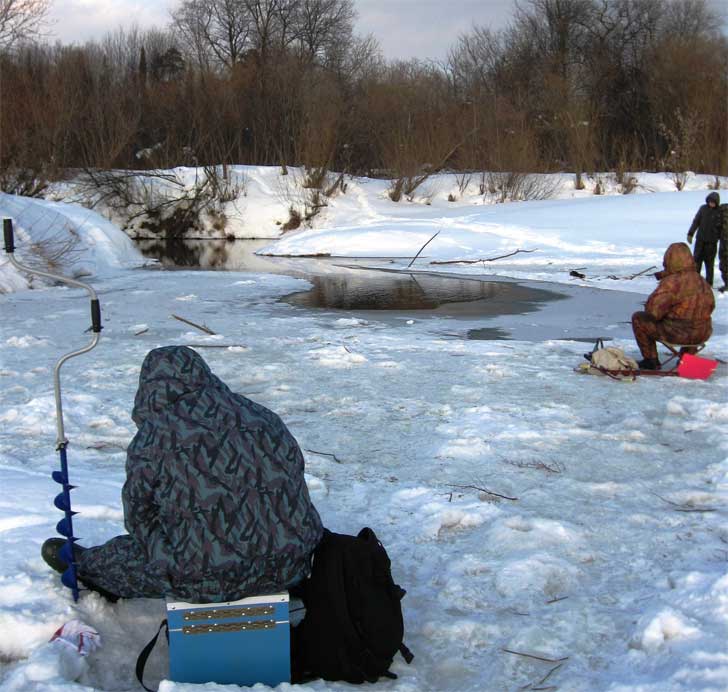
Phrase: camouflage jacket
[215,493]
[682,294]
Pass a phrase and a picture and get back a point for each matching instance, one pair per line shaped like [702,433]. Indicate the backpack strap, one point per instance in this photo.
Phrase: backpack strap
[144,655]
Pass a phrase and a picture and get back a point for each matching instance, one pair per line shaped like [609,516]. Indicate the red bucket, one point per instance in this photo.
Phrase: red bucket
[695,367]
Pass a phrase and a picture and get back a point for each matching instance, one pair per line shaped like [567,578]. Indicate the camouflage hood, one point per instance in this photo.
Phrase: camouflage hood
[167,375]
[678,258]
[215,498]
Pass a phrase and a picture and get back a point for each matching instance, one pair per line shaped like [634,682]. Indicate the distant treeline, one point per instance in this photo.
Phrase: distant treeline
[577,85]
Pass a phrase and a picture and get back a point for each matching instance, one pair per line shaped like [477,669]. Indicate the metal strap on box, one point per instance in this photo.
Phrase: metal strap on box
[215,614]
[230,627]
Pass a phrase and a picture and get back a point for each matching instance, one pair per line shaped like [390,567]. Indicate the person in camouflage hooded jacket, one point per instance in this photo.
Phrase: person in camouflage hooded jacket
[215,501]
[678,310]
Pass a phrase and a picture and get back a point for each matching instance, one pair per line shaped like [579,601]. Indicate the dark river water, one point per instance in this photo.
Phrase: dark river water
[345,284]
[462,307]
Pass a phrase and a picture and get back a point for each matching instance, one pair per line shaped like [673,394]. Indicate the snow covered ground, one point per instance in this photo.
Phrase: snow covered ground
[609,560]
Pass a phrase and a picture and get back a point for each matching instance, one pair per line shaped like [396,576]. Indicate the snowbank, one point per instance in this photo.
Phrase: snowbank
[66,238]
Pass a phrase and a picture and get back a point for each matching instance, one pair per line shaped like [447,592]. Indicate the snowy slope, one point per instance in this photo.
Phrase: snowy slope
[87,243]
[599,235]
[608,548]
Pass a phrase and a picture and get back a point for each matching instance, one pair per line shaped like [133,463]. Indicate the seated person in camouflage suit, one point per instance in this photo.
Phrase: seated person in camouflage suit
[678,310]
[215,501]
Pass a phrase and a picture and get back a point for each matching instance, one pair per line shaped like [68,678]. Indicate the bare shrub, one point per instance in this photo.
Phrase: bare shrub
[463,181]
[54,252]
[315,202]
[316,138]
[580,142]
[427,194]
[412,118]
[339,185]
[628,185]
[55,246]
[315,178]
[504,186]
[27,182]
[682,140]
[159,201]
[294,220]
[218,220]
[223,188]
[305,201]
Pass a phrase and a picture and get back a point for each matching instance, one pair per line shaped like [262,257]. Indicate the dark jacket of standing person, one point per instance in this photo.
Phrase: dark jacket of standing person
[679,309]
[707,223]
[215,502]
[723,250]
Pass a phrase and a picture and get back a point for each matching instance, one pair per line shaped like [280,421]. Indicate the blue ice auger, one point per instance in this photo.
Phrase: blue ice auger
[63,500]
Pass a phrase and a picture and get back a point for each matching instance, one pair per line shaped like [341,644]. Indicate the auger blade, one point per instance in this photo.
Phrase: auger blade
[60,477]
[62,503]
[68,578]
[65,528]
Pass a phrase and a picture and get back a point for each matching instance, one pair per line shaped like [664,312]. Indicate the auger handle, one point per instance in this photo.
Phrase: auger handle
[8,233]
[95,315]
[95,321]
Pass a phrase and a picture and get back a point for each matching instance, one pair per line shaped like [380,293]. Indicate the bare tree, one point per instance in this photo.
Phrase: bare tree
[21,20]
[693,18]
[218,31]
[322,24]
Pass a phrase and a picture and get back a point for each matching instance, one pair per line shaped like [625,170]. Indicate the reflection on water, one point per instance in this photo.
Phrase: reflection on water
[347,288]
[223,255]
[452,297]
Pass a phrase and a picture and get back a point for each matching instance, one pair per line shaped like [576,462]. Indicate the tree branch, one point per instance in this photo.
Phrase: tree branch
[325,454]
[486,259]
[482,490]
[202,328]
[537,658]
[422,248]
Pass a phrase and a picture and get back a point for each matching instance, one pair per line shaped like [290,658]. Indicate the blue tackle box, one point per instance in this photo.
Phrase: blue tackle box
[238,642]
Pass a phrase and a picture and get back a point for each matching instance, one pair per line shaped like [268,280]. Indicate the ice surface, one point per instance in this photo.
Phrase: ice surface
[528,511]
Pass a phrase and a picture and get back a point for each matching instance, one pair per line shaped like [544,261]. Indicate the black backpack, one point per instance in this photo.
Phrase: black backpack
[353,626]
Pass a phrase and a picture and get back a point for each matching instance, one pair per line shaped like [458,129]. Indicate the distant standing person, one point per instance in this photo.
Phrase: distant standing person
[723,251]
[707,224]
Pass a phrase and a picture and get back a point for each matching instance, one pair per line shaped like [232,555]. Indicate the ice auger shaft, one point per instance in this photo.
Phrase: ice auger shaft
[63,500]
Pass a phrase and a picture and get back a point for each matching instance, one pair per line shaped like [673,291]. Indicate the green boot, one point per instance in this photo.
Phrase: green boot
[50,552]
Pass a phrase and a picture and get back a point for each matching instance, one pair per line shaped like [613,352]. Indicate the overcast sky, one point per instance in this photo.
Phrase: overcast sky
[404,28]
